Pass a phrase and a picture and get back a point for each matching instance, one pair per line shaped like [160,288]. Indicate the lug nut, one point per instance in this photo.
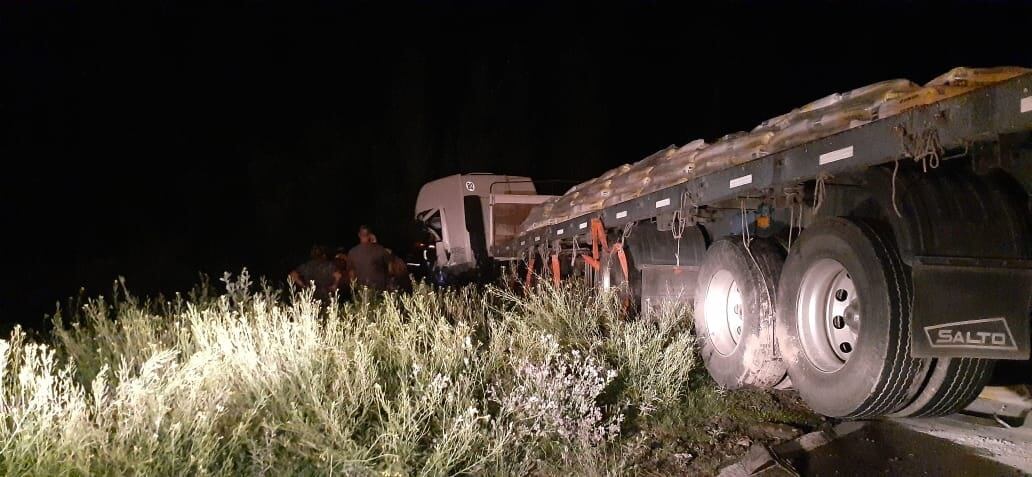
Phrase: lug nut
[838,322]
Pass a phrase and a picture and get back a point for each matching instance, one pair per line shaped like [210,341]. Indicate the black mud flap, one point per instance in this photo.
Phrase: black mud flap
[974,308]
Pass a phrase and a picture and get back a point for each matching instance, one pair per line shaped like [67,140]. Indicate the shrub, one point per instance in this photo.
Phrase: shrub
[255,381]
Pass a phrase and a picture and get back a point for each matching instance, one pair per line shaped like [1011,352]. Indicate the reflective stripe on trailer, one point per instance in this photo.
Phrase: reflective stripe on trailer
[836,155]
[740,181]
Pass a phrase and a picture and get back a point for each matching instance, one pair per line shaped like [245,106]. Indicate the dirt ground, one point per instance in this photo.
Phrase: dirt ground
[717,428]
[978,441]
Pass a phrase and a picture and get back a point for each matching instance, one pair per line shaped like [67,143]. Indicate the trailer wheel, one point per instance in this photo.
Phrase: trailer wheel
[735,313]
[951,384]
[844,320]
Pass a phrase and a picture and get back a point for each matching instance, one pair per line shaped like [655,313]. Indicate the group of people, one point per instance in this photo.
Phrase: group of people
[367,264]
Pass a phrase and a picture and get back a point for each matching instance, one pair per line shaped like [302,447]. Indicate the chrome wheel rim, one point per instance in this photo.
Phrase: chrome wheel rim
[828,314]
[723,310]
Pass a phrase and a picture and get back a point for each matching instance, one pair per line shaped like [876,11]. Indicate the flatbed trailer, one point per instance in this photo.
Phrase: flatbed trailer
[969,121]
[923,215]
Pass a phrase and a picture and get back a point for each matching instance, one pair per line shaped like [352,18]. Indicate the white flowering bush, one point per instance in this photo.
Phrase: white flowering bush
[254,381]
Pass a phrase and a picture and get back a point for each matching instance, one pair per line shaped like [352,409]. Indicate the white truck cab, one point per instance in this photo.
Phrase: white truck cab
[466,215]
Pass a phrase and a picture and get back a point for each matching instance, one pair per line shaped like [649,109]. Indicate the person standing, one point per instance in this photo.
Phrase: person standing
[318,269]
[342,273]
[397,269]
[369,261]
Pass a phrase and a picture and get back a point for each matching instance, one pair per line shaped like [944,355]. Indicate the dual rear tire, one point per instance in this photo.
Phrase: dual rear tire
[838,323]
[846,328]
[735,313]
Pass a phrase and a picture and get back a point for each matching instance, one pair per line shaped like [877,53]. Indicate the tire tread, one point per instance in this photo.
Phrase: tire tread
[891,394]
[961,381]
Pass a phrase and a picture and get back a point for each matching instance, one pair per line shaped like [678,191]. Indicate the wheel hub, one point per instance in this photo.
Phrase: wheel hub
[828,310]
[724,312]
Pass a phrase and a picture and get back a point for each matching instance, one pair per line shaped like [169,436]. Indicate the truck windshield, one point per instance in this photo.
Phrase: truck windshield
[431,219]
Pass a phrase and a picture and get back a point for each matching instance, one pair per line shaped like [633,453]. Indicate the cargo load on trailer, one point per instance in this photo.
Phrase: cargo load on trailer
[824,117]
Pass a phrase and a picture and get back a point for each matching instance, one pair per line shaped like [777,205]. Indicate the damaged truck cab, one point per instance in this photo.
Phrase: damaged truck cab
[465,215]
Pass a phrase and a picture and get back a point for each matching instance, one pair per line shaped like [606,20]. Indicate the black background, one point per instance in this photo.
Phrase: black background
[161,140]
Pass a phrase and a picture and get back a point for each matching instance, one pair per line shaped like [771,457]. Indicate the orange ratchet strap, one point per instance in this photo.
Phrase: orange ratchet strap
[555,269]
[622,257]
[530,271]
[591,261]
[598,235]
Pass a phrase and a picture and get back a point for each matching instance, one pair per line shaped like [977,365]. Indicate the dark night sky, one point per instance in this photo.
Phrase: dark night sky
[162,140]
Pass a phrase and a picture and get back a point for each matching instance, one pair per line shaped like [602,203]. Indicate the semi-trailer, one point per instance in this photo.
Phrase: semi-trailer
[871,249]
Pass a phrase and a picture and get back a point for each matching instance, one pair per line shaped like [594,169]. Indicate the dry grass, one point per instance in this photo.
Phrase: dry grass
[471,381]
[440,382]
